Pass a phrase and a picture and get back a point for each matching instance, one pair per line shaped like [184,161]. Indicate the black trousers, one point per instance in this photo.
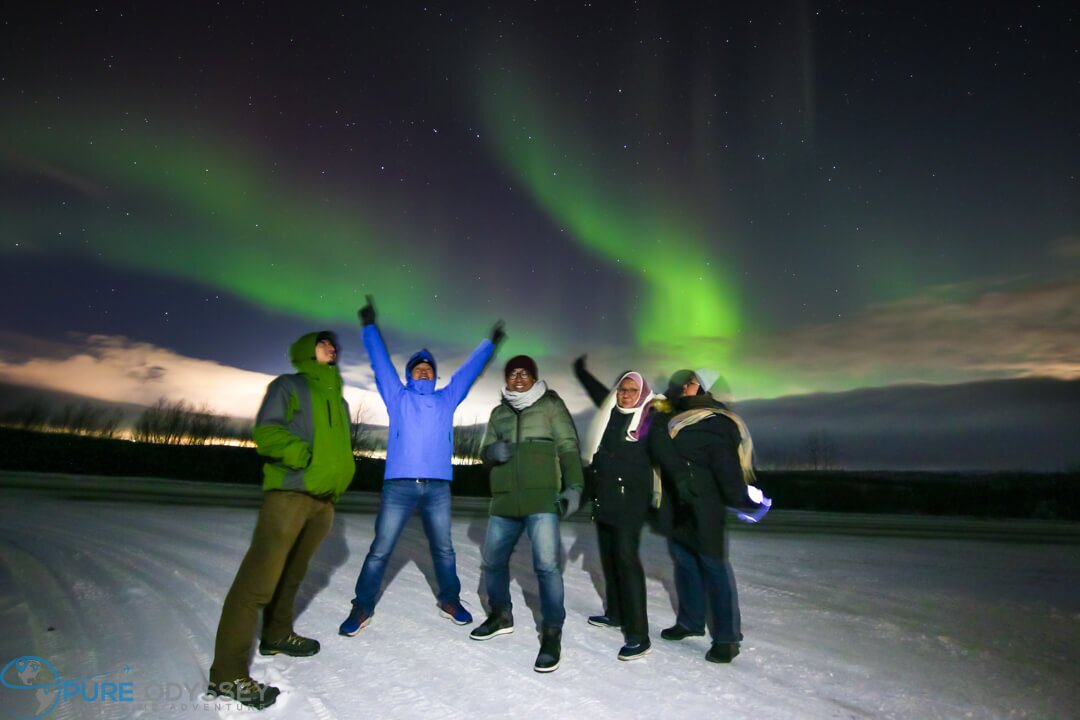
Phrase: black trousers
[624,579]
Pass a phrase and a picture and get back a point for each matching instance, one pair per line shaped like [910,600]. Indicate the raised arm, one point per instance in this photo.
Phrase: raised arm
[596,390]
[464,377]
[386,376]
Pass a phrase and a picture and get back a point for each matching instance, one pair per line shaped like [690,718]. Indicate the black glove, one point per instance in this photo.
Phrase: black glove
[569,501]
[499,452]
[367,313]
[497,333]
[579,365]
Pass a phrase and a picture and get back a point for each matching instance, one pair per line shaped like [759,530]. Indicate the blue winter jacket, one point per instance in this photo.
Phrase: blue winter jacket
[421,418]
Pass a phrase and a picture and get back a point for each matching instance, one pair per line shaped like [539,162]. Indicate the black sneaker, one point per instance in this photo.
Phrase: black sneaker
[245,691]
[722,652]
[497,623]
[550,650]
[292,644]
[604,621]
[635,650]
[678,632]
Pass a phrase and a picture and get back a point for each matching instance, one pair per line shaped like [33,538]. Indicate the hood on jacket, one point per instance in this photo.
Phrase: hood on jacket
[302,353]
[421,356]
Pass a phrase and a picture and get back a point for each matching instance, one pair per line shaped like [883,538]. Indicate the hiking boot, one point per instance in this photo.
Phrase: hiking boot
[497,623]
[722,652]
[604,621]
[457,614]
[245,691]
[678,632]
[550,650]
[635,650]
[358,620]
[292,644]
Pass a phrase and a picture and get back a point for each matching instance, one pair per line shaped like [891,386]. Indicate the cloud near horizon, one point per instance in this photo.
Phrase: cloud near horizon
[947,335]
[119,369]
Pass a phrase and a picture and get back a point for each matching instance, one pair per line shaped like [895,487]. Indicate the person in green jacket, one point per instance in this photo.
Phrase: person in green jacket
[303,430]
[531,448]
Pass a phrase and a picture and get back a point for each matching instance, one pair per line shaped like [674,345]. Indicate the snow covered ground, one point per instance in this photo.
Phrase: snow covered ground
[837,625]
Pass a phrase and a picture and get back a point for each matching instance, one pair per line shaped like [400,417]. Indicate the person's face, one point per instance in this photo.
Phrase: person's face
[627,394]
[520,380]
[325,352]
[690,387]
[422,371]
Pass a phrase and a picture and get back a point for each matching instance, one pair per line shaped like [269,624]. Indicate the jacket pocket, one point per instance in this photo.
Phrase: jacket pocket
[500,479]
[538,465]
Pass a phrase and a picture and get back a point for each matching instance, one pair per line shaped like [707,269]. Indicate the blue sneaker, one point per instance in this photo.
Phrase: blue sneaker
[358,620]
[635,649]
[457,614]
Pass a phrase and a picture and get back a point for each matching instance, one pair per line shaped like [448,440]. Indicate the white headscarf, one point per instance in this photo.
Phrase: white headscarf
[603,415]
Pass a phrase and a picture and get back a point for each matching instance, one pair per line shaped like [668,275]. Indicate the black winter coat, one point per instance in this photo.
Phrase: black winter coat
[704,482]
[622,476]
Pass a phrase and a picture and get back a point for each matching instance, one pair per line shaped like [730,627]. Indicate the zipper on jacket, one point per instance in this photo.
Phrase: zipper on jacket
[329,413]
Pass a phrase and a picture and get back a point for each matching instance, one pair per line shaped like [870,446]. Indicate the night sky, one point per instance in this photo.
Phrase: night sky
[805,196]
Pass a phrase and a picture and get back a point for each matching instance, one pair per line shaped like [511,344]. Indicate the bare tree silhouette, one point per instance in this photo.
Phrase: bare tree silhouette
[820,450]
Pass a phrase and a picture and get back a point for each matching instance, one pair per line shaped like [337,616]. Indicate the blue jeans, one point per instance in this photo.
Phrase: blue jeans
[400,499]
[698,576]
[502,535]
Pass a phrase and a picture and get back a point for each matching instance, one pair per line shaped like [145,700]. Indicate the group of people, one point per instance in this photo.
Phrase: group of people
[682,458]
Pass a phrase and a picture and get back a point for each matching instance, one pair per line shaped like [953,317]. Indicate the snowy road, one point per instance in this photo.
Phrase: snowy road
[837,626]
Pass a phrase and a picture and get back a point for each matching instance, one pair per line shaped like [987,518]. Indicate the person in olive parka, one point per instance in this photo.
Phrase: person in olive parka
[302,428]
[531,447]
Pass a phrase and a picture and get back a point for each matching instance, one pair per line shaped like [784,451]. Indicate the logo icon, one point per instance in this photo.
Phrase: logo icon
[31,687]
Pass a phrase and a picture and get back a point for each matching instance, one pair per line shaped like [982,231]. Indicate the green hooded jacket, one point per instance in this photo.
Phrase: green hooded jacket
[303,428]
[545,459]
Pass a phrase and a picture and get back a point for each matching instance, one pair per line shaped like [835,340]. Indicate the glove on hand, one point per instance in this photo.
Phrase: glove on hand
[367,313]
[569,502]
[500,452]
[579,364]
[497,332]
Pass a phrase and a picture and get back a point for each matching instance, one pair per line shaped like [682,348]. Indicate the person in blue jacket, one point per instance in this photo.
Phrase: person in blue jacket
[418,469]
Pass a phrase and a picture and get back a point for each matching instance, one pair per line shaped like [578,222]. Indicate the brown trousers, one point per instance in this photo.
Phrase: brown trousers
[290,527]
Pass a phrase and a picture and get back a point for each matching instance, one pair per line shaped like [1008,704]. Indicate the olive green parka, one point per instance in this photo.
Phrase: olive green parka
[545,457]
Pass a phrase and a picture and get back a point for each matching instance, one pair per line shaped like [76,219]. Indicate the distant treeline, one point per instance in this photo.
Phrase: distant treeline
[1001,495]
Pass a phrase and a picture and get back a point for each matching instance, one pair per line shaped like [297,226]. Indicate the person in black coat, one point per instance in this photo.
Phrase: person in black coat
[622,490]
[710,479]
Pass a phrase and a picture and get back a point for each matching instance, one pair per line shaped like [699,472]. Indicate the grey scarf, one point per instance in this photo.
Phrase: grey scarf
[521,400]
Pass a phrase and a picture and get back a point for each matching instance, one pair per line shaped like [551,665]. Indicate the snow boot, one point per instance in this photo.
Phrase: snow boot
[604,621]
[497,623]
[550,650]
